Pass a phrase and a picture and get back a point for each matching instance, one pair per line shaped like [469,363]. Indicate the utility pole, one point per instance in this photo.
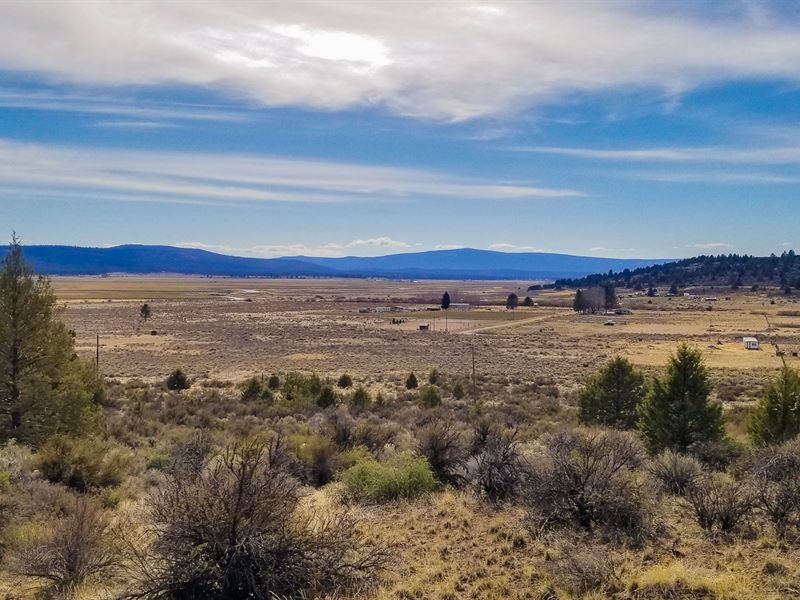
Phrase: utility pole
[97,353]
[474,392]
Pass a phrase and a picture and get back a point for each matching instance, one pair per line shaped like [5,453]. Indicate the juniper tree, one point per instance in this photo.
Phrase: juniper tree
[678,411]
[44,387]
[612,396]
[446,300]
[777,417]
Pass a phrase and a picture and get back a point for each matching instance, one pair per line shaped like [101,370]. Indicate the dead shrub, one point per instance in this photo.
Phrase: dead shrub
[775,477]
[674,471]
[589,478]
[500,468]
[236,532]
[441,441]
[720,502]
[70,552]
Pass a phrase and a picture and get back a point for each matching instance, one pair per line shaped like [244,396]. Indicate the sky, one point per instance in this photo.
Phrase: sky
[625,129]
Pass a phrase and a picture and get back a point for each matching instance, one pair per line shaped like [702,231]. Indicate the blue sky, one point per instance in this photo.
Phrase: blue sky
[629,129]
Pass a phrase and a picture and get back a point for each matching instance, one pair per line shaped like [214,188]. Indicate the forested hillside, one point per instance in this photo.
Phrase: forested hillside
[728,270]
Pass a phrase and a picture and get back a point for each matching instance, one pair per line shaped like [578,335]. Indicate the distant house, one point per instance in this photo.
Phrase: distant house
[711,299]
[424,326]
[459,306]
[750,343]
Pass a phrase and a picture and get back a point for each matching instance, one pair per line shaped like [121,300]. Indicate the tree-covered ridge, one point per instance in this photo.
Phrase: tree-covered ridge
[724,269]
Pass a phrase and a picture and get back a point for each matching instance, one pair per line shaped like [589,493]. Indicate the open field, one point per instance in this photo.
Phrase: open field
[449,537]
[230,329]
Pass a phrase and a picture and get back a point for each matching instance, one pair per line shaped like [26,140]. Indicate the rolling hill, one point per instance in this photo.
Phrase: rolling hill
[465,263]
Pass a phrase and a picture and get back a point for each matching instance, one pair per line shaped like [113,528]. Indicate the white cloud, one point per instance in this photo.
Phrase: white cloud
[36,169]
[379,242]
[506,247]
[278,250]
[445,60]
[711,246]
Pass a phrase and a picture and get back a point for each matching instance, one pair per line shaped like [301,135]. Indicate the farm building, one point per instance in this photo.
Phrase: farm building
[750,343]
[424,326]
[459,306]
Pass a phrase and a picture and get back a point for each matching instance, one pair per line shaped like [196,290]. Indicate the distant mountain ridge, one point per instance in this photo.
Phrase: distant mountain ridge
[464,263]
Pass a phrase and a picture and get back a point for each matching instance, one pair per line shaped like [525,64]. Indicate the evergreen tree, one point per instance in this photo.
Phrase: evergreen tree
[411,382]
[512,301]
[578,303]
[609,296]
[446,300]
[612,396]
[44,387]
[528,301]
[777,417]
[678,411]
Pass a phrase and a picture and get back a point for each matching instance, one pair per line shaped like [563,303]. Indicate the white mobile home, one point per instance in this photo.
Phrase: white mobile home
[750,343]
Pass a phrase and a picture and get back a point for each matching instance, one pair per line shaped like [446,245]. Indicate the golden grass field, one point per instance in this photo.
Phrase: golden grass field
[233,328]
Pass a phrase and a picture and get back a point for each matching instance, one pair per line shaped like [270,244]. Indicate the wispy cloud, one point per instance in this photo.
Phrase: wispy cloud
[325,250]
[134,109]
[335,55]
[711,246]
[206,177]
[507,247]
[713,154]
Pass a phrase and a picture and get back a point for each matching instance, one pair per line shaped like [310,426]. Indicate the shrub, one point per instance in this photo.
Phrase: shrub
[401,476]
[588,478]
[82,463]
[70,551]
[675,472]
[720,502]
[16,461]
[430,397]
[360,398]
[236,532]
[442,443]
[775,477]
[274,382]
[345,381]
[188,457]
[678,412]
[251,390]
[319,459]
[458,391]
[612,396]
[500,469]
[434,377]
[301,390]
[177,381]
[374,435]
[327,397]
[411,382]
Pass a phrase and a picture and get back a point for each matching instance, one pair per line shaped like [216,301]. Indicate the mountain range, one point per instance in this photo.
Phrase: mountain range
[464,263]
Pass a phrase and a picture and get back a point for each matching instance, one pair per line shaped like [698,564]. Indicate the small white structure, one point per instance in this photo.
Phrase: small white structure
[459,306]
[750,343]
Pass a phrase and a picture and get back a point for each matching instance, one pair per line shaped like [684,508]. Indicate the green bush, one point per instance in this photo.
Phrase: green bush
[251,390]
[345,381]
[301,390]
[430,397]
[360,398]
[177,381]
[274,382]
[433,377]
[82,463]
[402,476]
[458,391]
[411,382]
[327,397]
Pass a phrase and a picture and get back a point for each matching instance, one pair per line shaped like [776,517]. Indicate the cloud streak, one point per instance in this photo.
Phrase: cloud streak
[220,178]
[451,61]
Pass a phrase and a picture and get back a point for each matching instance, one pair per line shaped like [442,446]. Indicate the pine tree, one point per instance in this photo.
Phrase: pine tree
[446,300]
[44,387]
[678,411]
[512,301]
[411,382]
[612,396]
[578,303]
[777,417]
